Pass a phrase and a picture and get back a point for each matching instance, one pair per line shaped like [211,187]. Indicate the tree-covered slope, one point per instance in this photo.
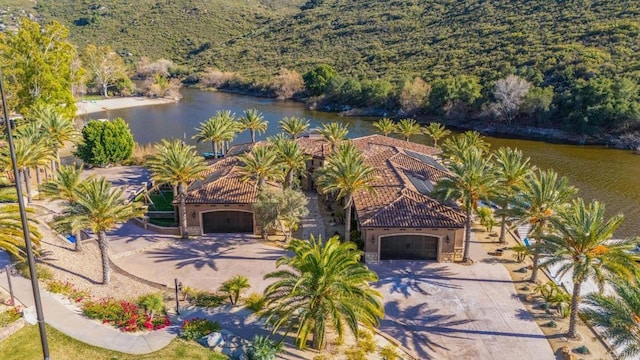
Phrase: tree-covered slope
[434,38]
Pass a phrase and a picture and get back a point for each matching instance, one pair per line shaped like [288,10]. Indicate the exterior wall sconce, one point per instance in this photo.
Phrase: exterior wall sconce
[193,214]
[447,240]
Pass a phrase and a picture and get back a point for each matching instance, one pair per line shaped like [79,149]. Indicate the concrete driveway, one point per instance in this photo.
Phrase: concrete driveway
[452,311]
[202,263]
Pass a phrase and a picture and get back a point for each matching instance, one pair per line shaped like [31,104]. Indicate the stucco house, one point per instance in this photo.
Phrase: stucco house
[399,221]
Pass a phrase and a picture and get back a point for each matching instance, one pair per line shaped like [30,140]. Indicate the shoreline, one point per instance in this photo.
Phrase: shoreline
[95,106]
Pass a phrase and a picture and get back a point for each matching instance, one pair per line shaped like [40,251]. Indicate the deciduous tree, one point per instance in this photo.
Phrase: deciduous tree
[106,67]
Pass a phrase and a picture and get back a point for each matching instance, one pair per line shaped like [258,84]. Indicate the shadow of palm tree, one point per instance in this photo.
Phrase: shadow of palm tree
[413,277]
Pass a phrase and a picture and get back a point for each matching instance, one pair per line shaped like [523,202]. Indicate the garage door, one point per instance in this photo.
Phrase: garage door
[227,222]
[409,247]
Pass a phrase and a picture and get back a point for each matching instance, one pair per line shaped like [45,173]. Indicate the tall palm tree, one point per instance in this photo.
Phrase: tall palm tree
[64,186]
[617,316]
[30,153]
[294,126]
[543,195]
[324,285]
[177,164]
[345,174]
[334,133]
[581,243]
[470,180]
[254,121]
[99,207]
[385,125]
[511,171]
[217,129]
[291,157]
[260,165]
[435,131]
[56,127]
[454,147]
[407,128]
[11,236]
[34,133]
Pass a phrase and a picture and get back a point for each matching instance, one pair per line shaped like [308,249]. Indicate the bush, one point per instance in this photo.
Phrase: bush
[366,342]
[263,348]
[197,328]
[43,272]
[389,352]
[105,142]
[124,315]
[582,350]
[355,354]
[202,298]
[254,302]
[152,303]
[67,289]
[9,316]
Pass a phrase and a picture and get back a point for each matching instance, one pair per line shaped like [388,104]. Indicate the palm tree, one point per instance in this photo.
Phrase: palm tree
[324,285]
[291,157]
[177,164]
[234,286]
[99,207]
[617,316]
[30,153]
[385,125]
[217,129]
[260,165]
[454,147]
[511,171]
[11,235]
[470,179]
[407,128]
[65,187]
[57,128]
[33,132]
[581,243]
[542,196]
[345,174]
[334,133]
[435,131]
[254,121]
[294,126]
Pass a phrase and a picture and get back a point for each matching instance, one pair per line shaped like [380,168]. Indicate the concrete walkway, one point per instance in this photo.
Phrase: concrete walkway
[89,331]
[313,224]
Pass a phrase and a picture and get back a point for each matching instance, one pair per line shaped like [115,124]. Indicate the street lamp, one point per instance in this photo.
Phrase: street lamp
[25,230]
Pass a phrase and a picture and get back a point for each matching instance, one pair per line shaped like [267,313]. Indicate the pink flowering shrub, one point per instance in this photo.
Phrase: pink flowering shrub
[124,315]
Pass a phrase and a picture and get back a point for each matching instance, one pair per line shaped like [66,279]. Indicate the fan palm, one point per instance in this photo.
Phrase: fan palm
[254,122]
[324,285]
[435,131]
[385,125]
[294,126]
[334,133]
[345,174]
[617,315]
[542,196]
[11,235]
[291,157]
[581,243]
[177,164]
[260,165]
[99,207]
[470,180]
[511,171]
[407,128]
[454,147]
[217,129]
[65,186]
[57,128]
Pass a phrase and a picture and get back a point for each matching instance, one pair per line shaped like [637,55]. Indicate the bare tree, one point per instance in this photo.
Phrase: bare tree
[105,66]
[287,84]
[509,94]
[146,69]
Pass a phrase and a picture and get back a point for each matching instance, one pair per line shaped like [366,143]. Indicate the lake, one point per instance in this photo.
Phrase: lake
[611,176]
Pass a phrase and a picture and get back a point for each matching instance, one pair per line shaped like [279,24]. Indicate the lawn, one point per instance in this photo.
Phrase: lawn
[161,200]
[25,345]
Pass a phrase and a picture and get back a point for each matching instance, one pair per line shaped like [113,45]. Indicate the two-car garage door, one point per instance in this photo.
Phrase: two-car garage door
[409,247]
[227,222]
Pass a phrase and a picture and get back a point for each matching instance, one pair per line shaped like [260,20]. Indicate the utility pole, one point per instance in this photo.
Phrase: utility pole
[25,230]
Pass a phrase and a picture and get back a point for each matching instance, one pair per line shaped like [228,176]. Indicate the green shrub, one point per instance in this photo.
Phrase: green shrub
[67,289]
[254,302]
[366,342]
[124,315]
[197,328]
[9,316]
[582,350]
[43,272]
[355,354]
[389,352]
[263,348]
[105,142]
[152,303]
[207,299]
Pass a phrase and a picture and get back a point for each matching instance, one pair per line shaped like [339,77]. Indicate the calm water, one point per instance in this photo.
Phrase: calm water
[612,176]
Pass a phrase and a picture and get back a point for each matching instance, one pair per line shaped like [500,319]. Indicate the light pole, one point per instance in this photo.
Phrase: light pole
[25,230]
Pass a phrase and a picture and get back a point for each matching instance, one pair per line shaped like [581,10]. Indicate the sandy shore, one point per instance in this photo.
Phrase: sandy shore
[94,106]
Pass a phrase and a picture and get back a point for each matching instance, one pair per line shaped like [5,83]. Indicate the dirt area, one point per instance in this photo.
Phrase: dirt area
[533,302]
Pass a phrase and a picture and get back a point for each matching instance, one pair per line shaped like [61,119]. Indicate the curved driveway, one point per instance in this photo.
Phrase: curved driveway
[439,311]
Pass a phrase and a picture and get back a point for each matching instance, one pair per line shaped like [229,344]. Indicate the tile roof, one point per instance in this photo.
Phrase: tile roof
[223,185]
[314,145]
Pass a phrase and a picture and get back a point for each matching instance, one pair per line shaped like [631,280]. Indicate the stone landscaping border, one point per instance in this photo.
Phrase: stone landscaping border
[12,328]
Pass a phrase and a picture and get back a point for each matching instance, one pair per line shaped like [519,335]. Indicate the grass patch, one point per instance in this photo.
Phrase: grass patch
[161,201]
[25,345]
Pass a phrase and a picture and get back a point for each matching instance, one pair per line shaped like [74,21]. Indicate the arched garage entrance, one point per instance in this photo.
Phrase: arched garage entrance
[227,222]
[409,247]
